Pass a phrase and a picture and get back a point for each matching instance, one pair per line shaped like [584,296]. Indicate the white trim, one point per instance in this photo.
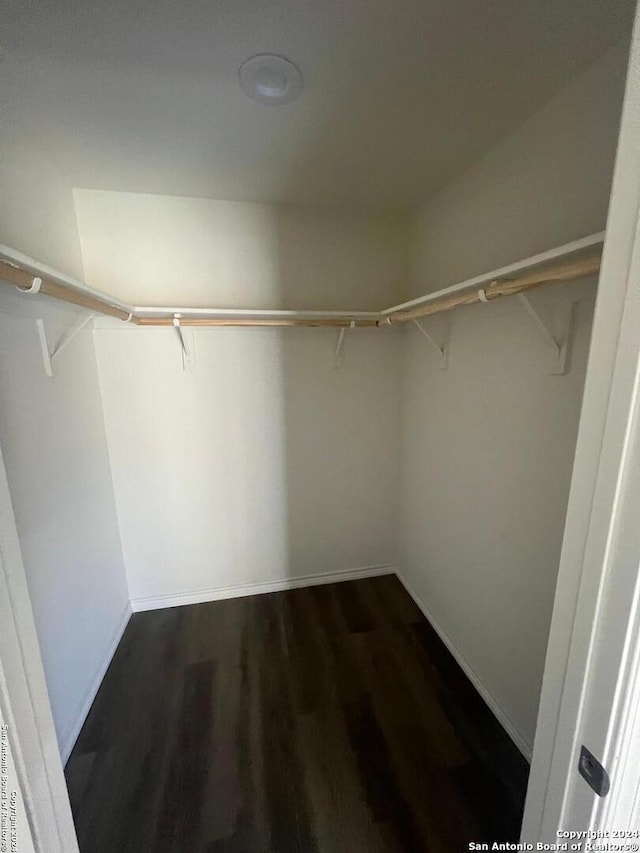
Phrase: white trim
[25,700]
[68,740]
[622,752]
[159,310]
[198,596]
[519,266]
[523,744]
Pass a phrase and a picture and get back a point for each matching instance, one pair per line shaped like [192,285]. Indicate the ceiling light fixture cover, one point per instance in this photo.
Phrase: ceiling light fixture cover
[270,79]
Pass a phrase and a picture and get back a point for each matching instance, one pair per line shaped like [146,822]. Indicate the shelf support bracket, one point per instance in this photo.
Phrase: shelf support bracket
[538,322]
[565,318]
[337,356]
[70,334]
[441,349]
[187,353]
[49,356]
[44,348]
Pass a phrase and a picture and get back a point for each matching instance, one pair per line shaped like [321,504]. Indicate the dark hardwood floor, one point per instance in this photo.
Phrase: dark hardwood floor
[322,720]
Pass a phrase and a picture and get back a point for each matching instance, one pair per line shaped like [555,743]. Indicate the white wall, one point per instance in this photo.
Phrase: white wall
[264,463]
[37,212]
[164,250]
[487,446]
[53,440]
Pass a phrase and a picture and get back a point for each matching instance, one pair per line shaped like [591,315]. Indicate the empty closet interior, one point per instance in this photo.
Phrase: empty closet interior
[249,348]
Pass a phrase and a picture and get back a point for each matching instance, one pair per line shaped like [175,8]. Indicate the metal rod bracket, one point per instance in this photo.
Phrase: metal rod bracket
[44,348]
[70,334]
[36,284]
[48,355]
[441,349]
[337,355]
[185,345]
[564,322]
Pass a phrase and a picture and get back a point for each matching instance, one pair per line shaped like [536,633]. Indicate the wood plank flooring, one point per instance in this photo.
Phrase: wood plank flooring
[322,720]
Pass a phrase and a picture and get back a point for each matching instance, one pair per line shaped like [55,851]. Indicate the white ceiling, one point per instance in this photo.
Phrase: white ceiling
[400,95]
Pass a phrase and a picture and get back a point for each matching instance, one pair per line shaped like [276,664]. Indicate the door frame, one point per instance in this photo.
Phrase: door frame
[592,669]
[24,699]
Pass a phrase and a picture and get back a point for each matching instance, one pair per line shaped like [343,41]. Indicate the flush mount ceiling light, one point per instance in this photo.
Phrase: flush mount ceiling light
[270,79]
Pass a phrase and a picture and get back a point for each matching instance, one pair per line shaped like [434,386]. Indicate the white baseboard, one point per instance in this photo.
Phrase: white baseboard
[523,744]
[67,742]
[156,602]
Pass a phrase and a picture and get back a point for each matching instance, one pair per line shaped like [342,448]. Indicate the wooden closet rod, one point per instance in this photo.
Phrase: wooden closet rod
[499,288]
[321,322]
[29,282]
[547,268]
